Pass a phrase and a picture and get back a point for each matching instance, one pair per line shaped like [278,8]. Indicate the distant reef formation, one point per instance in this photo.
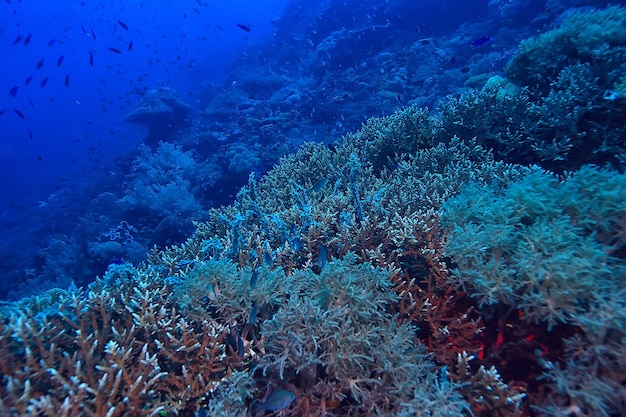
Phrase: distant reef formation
[161,111]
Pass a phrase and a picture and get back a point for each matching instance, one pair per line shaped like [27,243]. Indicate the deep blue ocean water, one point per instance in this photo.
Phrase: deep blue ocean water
[64,140]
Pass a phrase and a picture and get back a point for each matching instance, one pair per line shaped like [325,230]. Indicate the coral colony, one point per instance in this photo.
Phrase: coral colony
[465,261]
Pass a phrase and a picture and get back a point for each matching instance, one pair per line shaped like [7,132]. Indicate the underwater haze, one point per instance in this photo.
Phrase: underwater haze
[312,208]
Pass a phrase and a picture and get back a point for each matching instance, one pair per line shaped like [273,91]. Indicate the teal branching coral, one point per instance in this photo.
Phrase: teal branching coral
[541,244]
[572,75]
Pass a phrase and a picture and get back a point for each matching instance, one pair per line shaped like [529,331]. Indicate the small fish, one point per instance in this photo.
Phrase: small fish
[27,39]
[17,40]
[13,91]
[51,42]
[296,244]
[319,185]
[43,82]
[30,134]
[91,58]
[130,45]
[40,63]
[278,400]
[93,34]
[60,60]
[115,50]
[122,24]
[252,317]
[322,257]
[240,348]
[465,70]
[31,103]
[67,80]
[482,41]
[245,28]
[254,277]
[19,113]
[28,80]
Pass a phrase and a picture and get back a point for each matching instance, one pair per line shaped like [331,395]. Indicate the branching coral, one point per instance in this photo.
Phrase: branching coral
[121,349]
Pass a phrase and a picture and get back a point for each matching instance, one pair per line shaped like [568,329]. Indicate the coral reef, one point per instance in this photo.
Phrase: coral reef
[119,349]
[420,266]
[160,110]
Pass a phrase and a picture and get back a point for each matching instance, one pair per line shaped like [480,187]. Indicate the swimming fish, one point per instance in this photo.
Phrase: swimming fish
[253,278]
[28,80]
[482,41]
[13,91]
[19,113]
[17,40]
[243,27]
[91,58]
[130,45]
[276,401]
[322,257]
[51,42]
[40,63]
[43,82]
[252,317]
[67,80]
[122,24]
[60,60]
[115,50]
[27,39]
[319,185]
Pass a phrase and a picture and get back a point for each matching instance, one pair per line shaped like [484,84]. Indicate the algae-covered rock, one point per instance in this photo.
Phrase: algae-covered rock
[160,108]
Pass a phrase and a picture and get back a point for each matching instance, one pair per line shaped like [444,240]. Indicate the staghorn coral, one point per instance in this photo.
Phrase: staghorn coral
[571,75]
[120,349]
[330,278]
[531,247]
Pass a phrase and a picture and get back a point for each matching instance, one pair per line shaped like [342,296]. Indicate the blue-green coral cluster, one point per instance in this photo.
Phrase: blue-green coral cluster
[547,246]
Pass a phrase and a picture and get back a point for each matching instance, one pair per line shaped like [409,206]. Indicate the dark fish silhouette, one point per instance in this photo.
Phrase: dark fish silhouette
[122,24]
[13,91]
[28,80]
[27,39]
[93,34]
[51,42]
[482,41]
[115,50]
[40,63]
[243,27]
[130,45]
[19,113]
[254,278]
[60,60]
[67,80]
[43,82]
[17,40]
[278,400]
[464,70]
[91,58]
[322,257]
[30,134]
